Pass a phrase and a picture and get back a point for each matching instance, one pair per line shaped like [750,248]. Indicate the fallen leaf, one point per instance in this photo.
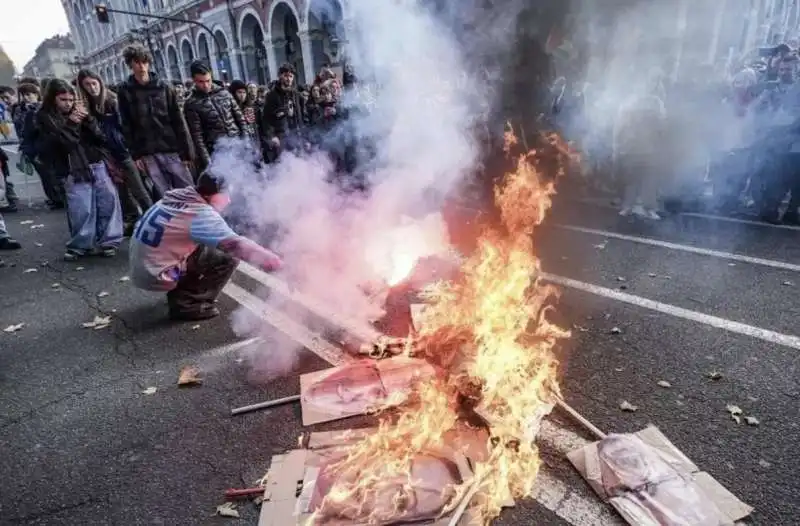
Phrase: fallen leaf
[26,222]
[652,275]
[714,375]
[731,264]
[601,246]
[615,330]
[189,376]
[98,322]
[733,409]
[34,227]
[764,464]
[79,268]
[627,406]
[150,390]
[103,294]
[125,278]
[39,244]
[751,420]
[621,279]
[14,328]
[574,326]
[29,270]
[228,510]
[619,369]
[55,285]
[788,284]
[665,384]
[737,419]
[195,327]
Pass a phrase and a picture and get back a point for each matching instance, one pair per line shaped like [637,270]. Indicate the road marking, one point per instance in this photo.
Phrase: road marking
[577,506]
[603,203]
[786,340]
[782,265]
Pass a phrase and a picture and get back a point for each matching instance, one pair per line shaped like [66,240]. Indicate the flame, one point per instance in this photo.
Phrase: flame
[490,334]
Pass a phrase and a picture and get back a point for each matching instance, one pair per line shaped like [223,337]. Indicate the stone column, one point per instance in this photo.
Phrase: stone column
[272,59]
[719,16]
[308,56]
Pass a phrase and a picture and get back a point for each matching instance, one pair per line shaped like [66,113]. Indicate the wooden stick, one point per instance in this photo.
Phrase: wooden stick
[580,419]
[265,405]
[462,506]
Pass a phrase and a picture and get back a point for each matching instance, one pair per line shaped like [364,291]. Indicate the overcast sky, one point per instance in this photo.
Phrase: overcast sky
[25,23]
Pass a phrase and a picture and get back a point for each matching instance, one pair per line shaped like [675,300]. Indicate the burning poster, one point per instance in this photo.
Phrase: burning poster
[360,387]
[651,483]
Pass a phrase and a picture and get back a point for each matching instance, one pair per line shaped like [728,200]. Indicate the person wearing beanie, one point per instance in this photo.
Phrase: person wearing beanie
[183,246]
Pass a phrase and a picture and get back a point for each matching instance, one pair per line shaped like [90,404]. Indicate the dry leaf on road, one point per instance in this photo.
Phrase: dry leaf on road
[751,420]
[99,322]
[55,285]
[189,376]
[29,270]
[714,375]
[733,409]
[124,278]
[228,510]
[195,327]
[665,384]
[615,330]
[39,244]
[14,328]
[79,268]
[788,284]
[34,227]
[103,294]
[601,246]
[150,390]
[26,222]
[627,406]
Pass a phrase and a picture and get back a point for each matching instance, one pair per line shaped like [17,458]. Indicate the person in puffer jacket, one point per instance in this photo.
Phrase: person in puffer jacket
[211,114]
[246,100]
[102,105]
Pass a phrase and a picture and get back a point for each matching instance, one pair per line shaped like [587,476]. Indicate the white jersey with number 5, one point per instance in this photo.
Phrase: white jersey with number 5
[168,233]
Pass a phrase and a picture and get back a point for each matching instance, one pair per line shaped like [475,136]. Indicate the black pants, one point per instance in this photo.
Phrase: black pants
[52,184]
[785,177]
[207,272]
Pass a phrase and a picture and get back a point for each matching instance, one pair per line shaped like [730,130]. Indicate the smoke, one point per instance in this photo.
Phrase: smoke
[424,89]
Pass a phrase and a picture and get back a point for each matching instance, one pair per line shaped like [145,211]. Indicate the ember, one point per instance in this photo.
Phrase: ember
[489,331]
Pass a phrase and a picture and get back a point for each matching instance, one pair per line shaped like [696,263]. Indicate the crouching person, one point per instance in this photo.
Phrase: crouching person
[69,132]
[183,246]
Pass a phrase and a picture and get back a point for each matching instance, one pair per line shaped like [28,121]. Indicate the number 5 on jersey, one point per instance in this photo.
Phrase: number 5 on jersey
[151,227]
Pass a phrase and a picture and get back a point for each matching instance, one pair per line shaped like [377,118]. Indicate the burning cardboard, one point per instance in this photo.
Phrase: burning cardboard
[299,488]
[360,387]
[650,482]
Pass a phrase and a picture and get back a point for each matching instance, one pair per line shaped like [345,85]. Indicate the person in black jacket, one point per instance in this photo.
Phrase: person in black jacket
[281,116]
[102,105]
[246,100]
[211,114]
[68,130]
[153,125]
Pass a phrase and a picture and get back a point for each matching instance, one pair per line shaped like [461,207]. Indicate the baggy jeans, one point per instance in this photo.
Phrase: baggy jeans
[93,212]
[167,172]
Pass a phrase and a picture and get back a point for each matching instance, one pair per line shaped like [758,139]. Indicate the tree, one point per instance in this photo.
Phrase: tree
[7,70]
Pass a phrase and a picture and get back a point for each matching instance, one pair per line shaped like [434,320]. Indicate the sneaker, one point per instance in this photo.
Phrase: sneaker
[205,313]
[8,243]
[652,214]
[72,255]
[625,212]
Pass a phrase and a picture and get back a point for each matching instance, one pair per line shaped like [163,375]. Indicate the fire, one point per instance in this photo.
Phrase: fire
[490,334]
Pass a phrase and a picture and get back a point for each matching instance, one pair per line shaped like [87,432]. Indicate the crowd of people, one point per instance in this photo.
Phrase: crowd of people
[730,141]
[105,154]
[132,160]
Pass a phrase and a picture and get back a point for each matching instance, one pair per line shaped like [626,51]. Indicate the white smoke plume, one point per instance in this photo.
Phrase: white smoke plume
[423,105]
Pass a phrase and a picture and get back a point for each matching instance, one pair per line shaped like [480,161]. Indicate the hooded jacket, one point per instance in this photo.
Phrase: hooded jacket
[152,121]
[105,110]
[74,146]
[211,116]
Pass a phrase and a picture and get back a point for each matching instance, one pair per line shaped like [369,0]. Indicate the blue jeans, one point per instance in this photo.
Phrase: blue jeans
[93,211]
[167,171]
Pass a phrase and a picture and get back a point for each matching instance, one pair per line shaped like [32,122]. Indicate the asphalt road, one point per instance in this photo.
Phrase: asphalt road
[81,442]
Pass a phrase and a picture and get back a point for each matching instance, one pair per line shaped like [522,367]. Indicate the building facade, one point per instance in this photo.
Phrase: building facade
[239,39]
[54,57]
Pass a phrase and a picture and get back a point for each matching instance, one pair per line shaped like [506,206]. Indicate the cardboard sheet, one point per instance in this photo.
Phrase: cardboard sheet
[650,482]
[359,387]
[292,486]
